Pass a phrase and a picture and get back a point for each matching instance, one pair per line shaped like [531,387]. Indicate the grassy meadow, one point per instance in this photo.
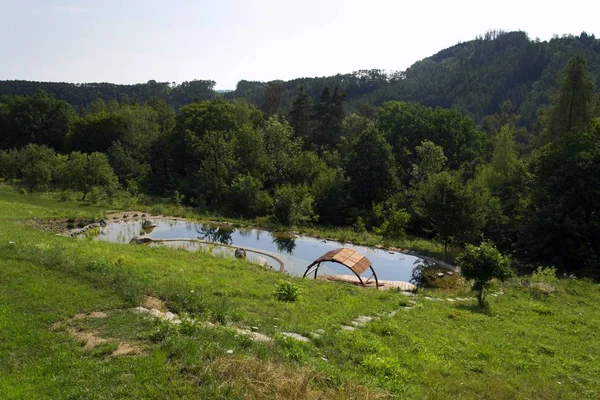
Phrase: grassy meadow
[527,344]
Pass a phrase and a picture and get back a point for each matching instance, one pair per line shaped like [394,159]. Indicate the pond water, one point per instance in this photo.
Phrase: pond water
[296,252]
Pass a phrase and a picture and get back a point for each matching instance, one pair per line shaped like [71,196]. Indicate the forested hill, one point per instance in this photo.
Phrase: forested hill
[474,77]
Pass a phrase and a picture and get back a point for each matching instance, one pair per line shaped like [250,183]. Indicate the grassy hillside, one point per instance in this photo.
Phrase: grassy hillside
[528,344]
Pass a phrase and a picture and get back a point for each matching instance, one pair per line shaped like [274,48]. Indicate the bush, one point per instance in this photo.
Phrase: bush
[482,264]
[394,224]
[248,198]
[544,275]
[287,291]
[293,205]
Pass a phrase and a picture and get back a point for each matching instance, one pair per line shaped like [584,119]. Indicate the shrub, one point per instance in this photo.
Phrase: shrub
[544,275]
[286,290]
[394,224]
[482,264]
[248,198]
[293,205]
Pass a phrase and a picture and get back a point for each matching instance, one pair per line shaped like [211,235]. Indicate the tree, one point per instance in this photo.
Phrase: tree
[430,160]
[572,109]
[371,168]
[562,226]
[89,170]
[35,166]
[248,198]
[273,98]
[328,115]
[407,125]
[282,148]
[293,205]
[300,116]
[38,119]
[331,198]
[210,176]
[450,208]
[482,264]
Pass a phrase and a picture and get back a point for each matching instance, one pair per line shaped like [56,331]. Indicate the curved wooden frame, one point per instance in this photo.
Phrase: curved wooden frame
[351,259]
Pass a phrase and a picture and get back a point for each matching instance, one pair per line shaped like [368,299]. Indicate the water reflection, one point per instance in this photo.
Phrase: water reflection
[215,233]
[297,252]
[285,244]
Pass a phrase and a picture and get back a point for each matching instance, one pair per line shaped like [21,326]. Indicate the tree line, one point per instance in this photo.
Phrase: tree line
[475,77]
[401,168]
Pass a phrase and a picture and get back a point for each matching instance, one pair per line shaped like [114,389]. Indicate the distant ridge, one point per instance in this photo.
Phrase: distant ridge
[474,77]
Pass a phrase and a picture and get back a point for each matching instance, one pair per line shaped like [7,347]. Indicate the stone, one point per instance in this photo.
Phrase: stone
[545,288]
[240,253]
[140,240]
[296,336]
[363,319]
[348,328]
[148,224]
[254,328]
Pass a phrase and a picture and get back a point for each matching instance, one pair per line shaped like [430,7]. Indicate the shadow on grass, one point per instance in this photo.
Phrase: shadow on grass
[474,308]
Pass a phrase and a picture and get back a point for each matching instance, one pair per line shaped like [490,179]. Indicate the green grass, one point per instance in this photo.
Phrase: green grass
[526,345]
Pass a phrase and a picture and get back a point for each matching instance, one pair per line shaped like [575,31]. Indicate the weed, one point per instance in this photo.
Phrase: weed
[286,290]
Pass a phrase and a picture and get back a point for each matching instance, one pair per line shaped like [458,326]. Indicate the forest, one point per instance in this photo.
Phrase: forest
[494,139]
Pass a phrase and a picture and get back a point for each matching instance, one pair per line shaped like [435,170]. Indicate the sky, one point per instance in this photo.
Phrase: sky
[133,41]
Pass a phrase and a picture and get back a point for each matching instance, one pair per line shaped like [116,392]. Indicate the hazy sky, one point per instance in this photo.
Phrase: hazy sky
[131,41]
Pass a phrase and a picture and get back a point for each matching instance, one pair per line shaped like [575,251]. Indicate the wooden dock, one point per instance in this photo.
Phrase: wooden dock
[383,284]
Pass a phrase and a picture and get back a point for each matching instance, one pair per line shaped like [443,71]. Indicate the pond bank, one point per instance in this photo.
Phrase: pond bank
[343,234]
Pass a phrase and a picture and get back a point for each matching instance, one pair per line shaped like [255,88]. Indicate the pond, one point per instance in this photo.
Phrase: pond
[296,252]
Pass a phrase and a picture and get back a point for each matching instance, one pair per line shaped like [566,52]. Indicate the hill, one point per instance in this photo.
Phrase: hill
[69,330]
[474,77]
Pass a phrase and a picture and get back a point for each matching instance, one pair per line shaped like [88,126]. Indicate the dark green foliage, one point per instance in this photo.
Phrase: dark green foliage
[407,125]
[481,264]
[248,198]
[301,116]
[451,209]
[408,159]
[572,109]
[371,168]
[293,205]
[38,119]
[564,227]
[328,115]
[331,199]
[35,166]
[394,223]
[86,171]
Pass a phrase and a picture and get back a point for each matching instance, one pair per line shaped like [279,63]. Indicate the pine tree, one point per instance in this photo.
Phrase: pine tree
[573,106]
[300,116]
[329,114]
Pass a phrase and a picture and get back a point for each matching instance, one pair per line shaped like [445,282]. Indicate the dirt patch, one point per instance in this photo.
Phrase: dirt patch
[95,314]
[127,349]
[89,339]
[153,303]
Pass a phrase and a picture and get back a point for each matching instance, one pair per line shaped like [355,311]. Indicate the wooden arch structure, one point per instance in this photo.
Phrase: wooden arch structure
[349,258]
